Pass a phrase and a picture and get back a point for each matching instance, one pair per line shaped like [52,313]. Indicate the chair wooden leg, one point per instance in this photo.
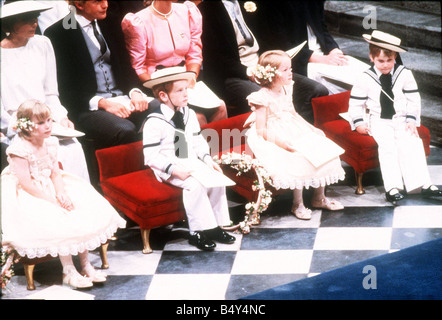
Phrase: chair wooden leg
[103,255]
[359,188]
[29,272]
[146,245]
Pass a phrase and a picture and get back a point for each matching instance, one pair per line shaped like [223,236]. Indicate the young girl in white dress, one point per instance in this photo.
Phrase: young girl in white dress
[276,130]
[47,211]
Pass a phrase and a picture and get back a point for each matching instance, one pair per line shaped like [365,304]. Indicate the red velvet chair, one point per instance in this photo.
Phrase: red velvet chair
[132,188]
[230,137]
[361,152]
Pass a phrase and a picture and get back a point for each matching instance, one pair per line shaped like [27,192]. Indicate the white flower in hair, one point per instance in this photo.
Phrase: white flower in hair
[24,124]
[260,73]
[250,6]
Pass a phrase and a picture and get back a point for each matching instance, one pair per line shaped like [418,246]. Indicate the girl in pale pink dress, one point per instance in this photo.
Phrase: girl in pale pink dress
[166,34]
[47,211]
[278,137]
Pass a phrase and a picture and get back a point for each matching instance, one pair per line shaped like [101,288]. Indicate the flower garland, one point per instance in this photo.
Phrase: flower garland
[23,124]
[261,73]
[8,258]
[250,6]
[244,163]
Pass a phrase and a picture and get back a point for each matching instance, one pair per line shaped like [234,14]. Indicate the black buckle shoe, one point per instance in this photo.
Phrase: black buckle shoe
[394,197]
[200,241]
[431,193]
[219,235]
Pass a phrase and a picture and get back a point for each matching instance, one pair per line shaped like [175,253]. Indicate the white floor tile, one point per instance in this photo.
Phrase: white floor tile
[417,217]
[353,239]
[188,287]
[374,196]
[272,261]
[436,174]
[60,293]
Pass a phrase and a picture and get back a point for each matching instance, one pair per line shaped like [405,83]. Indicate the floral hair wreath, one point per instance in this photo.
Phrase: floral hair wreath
[24,124]
[250,6]
[261,73]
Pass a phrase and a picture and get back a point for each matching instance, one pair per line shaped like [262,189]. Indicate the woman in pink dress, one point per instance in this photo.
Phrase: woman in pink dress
[166,34]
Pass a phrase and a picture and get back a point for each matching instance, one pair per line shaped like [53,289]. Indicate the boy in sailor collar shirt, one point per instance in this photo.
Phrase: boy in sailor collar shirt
[389,92]
[171,135]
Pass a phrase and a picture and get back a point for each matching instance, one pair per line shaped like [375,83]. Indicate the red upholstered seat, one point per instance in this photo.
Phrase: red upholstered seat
[161,205]
[133,189]
[361,151]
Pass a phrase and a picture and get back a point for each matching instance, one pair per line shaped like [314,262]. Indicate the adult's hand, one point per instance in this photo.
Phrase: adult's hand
[138,103]
[335,57]
[115,108]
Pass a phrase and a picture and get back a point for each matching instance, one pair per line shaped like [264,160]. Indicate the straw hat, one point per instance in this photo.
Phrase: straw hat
[169,74]
[384,40]
[21,7]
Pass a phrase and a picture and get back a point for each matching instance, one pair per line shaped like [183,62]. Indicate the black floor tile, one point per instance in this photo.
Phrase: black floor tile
[122,288]
[358,217]
[279,239]
[244,285]
[195,262]
[407,237]
[326,260]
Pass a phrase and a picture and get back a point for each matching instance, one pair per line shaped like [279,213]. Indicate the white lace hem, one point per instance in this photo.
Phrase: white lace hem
[287,182]
[73,249]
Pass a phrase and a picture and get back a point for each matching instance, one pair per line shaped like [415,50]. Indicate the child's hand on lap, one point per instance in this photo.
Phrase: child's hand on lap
[181,173]
[64,201]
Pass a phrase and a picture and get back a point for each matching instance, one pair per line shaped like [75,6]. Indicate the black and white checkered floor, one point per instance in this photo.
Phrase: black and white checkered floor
[280,250]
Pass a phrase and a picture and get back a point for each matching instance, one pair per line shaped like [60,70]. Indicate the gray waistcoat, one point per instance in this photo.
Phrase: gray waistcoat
[106,84]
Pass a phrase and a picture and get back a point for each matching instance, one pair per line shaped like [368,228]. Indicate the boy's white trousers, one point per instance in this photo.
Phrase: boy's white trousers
[206,208]
[401,155]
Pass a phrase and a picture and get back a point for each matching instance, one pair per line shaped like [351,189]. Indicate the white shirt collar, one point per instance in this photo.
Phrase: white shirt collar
[168,112]
[82,21]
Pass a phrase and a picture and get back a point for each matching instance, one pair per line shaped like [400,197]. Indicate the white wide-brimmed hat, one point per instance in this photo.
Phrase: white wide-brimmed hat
[167,75]
[21,7]
[384,40]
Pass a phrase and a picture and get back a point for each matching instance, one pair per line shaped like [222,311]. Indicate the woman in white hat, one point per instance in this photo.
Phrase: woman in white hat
[28,71]
[390,94]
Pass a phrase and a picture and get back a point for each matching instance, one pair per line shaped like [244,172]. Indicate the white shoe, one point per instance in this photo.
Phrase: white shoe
[96,276]
[76,281]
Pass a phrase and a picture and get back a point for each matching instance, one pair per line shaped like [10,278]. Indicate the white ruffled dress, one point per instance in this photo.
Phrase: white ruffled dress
[288,170]
[37,227]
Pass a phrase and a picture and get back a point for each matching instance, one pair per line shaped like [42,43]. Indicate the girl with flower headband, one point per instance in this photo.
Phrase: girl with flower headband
[283,141]
[47,211]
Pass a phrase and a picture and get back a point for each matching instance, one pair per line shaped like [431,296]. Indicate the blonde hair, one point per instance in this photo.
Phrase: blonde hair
[32,109]
[272,58]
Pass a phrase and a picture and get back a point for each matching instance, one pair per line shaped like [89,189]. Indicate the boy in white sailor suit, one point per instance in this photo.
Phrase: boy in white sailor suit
[390,94]
[171,135]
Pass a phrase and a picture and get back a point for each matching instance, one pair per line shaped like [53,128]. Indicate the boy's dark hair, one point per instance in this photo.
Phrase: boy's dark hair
[376,51]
